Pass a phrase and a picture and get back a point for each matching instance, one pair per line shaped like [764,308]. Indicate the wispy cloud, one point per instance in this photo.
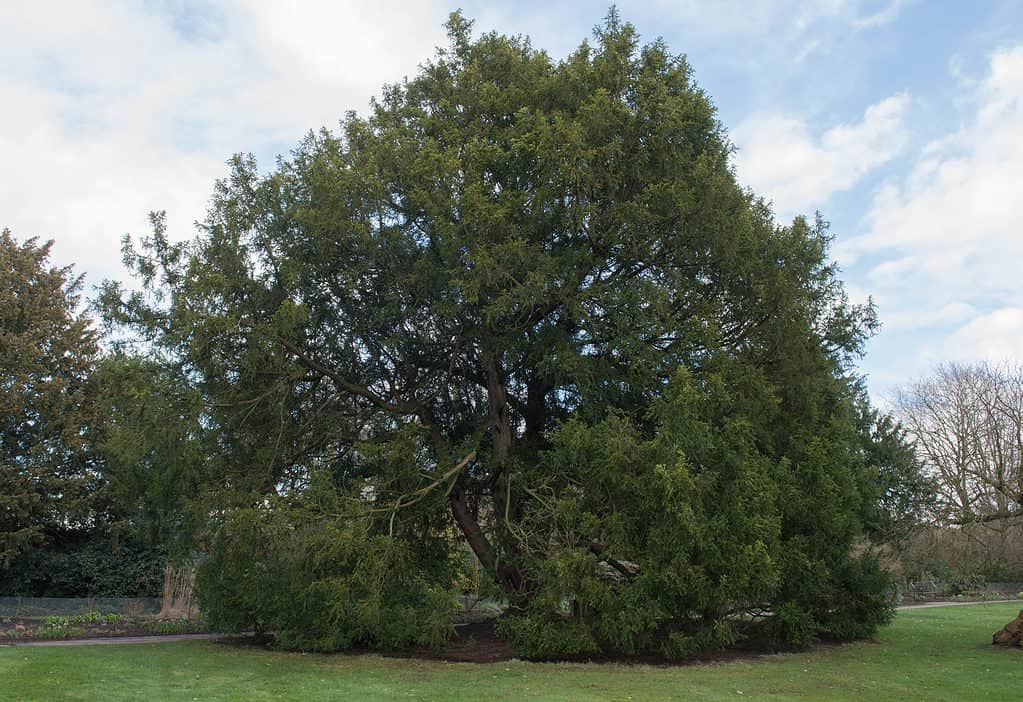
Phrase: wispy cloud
[112,109]
[783,160]
[793,18]
[882,16]
[946,236]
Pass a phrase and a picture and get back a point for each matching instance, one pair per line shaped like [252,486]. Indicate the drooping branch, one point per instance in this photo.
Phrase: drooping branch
[447,478]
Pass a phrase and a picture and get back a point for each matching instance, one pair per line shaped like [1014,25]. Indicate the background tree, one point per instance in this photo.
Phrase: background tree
[901,498]
[967,424]
[152,441]
[49,477]
[967,421]
[155,464]
[527,303]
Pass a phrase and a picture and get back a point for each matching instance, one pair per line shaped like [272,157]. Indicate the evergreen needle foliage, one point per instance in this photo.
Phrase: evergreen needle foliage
[49,471]
[523,309]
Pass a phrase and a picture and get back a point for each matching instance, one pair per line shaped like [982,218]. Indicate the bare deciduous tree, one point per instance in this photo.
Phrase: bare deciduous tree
[967,422]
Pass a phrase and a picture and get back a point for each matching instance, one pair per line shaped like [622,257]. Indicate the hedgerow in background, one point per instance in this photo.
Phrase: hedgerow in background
[86,563]
[523,303]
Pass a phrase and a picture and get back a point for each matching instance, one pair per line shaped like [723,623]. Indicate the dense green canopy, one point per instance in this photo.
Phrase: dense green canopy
[525,307]
[48,470]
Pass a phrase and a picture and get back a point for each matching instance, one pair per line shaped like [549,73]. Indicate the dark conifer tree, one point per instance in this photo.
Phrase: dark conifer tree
[524,306]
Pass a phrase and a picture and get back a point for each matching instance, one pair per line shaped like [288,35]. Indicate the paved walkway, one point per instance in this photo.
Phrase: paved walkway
[166,638]
[120,640]
[946,603]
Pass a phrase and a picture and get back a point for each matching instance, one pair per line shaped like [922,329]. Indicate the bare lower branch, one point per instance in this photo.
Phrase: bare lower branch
[401,408]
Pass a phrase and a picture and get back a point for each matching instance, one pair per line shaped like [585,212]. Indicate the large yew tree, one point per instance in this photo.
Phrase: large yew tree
[522,306]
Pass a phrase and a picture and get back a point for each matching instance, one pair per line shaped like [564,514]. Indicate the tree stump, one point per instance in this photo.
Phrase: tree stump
[1011,634]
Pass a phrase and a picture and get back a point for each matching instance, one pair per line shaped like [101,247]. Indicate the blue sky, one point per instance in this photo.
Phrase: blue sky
[900,120]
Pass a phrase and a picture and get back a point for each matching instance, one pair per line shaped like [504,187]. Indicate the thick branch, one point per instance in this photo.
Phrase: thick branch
[497,396]
[629,570]
[507,575]
[988,518]
[404,408]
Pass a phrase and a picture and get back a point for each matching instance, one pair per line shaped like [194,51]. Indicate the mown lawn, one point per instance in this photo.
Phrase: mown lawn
[928,654]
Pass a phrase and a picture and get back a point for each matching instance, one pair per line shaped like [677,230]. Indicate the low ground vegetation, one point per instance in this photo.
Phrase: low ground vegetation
[92,624]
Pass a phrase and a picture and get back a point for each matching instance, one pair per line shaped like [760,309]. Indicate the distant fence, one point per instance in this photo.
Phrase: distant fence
[925,589]
[1012,588]
[46,606]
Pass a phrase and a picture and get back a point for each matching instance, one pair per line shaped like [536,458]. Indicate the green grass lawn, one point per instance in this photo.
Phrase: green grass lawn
[927,654]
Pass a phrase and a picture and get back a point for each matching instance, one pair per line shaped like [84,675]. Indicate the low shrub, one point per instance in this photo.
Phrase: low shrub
[174,626]
[59,633]
[540,637]
[325,586]
[718,636]
[791,627]
[92,617]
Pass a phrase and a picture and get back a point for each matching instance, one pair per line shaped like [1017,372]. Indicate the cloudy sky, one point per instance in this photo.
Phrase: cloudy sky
[901,121]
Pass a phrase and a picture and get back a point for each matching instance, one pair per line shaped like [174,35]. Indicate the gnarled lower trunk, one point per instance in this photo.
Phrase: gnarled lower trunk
[178,586]
[1011,634]
[507,575]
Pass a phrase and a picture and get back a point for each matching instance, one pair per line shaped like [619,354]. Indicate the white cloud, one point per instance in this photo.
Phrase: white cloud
[947,235]
[780,158]
[950,313]
[116,107]
[882,16]
[764,35]
[774,18]
[953,223]
[112,109]
[996,337]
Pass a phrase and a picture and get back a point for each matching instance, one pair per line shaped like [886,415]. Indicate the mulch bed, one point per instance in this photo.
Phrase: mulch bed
[477,642]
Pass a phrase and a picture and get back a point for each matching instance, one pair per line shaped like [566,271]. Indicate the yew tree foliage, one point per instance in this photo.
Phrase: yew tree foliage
[49,477]
[155,450]
[525,307]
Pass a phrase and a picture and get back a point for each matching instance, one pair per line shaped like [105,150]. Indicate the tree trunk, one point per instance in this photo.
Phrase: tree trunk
[497,397]
[501,437]
[536,411]
[1011,634]
[178,584]
[507,575]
